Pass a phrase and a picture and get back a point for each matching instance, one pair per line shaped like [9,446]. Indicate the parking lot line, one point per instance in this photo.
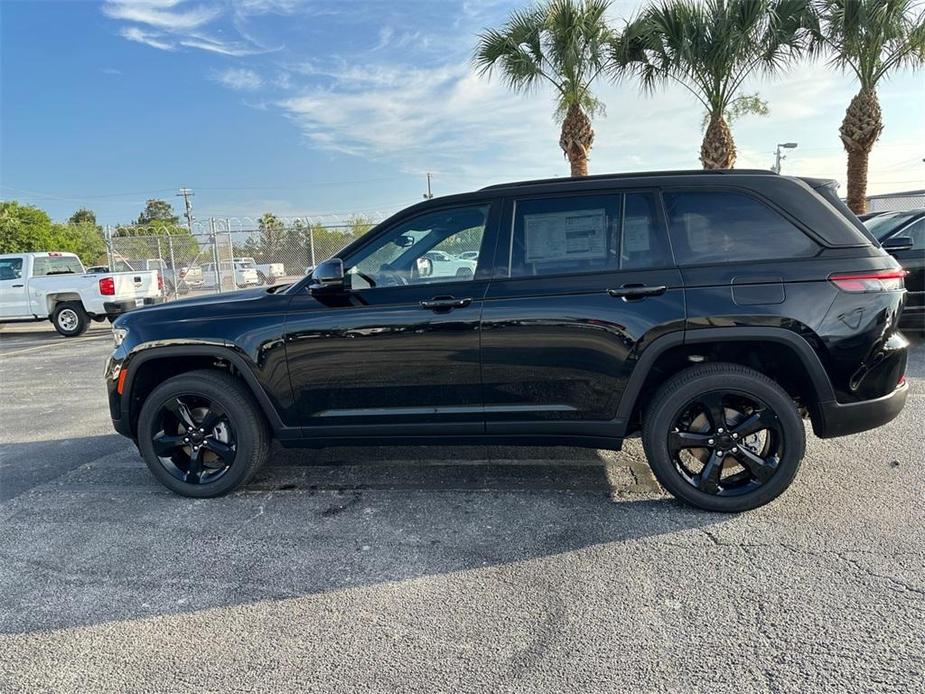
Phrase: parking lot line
[52,344]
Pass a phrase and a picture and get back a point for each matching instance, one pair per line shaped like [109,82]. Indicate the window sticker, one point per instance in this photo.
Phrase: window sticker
[572,235]
[636,234]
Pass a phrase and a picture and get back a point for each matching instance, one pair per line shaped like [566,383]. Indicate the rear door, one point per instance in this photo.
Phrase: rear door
[584,283]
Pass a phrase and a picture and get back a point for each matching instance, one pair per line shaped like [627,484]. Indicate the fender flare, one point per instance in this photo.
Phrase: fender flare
[803,349]
[216,351]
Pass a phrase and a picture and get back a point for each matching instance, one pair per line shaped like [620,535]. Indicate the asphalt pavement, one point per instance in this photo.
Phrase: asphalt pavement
[438,569]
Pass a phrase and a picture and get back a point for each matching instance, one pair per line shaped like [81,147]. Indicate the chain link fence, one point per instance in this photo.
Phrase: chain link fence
[229,254]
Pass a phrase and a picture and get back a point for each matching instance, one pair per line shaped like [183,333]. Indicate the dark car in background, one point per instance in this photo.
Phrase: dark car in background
[707,311]
[902,234]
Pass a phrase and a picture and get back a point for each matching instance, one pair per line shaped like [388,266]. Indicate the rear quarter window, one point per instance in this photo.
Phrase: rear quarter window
[727,226]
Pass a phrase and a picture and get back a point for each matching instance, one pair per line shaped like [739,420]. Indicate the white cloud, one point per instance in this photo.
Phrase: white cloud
[240,79]
[161,13]
[140,36]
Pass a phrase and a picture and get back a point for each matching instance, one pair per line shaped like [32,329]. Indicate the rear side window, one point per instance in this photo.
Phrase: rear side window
[587,233]
[724,226]
[56,265]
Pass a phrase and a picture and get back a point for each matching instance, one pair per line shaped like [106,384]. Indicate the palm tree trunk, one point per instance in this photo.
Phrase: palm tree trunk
[718,150]
[576,139]
[859,131]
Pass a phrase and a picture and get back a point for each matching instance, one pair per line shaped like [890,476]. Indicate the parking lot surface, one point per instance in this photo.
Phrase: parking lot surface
[441,569]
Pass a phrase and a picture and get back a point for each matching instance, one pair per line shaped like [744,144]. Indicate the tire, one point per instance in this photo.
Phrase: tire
[247,436]
[677,417]
[70,319]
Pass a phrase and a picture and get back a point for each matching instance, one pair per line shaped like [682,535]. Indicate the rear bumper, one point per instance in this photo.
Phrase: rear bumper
[841,419]
[115,308]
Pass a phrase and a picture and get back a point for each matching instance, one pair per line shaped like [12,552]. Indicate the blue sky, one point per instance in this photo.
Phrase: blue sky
[331,108]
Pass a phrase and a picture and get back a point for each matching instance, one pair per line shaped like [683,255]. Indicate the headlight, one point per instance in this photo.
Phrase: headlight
[118,335]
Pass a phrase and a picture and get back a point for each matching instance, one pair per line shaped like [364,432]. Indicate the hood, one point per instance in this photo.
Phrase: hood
[208,306]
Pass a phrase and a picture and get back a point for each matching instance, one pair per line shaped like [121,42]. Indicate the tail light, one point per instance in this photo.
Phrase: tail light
[877,281]
[107,286]
[160,282]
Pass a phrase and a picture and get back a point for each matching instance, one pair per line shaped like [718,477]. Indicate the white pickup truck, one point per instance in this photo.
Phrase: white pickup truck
[55,286]
[267,273]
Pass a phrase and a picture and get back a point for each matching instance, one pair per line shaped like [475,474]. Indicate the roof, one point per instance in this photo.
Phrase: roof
[638,174]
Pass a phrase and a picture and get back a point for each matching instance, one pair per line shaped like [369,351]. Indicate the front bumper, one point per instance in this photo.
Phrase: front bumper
[840,419]
[115,308]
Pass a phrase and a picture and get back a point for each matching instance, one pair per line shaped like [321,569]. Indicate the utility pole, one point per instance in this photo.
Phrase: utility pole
[186,194]
[778,157]
[429,194]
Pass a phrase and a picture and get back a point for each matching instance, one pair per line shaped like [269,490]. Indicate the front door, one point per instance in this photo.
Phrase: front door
[14,302]
[587,282]
[398,351]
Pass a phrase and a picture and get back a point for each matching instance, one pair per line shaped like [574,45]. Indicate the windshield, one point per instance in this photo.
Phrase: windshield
[883,225]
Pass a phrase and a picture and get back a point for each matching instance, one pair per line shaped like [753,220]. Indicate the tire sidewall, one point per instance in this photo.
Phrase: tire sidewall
[661,419]
[83,320]
[236,404]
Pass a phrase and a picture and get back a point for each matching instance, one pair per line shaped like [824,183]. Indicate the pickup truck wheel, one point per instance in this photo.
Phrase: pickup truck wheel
[202,434]
[723,437]
[70,319]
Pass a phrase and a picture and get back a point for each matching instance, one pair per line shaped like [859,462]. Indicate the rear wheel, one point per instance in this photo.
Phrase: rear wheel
[723,437]
[70,319]
[202,434]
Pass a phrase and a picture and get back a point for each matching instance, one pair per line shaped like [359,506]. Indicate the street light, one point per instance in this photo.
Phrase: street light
[778,156]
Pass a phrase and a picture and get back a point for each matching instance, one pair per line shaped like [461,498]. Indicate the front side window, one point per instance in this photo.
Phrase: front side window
[426,249]
[586,234]
[725,226]
[917,233]
[10,268]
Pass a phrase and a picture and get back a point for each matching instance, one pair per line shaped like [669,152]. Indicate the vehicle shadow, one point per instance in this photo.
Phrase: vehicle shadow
[104,542]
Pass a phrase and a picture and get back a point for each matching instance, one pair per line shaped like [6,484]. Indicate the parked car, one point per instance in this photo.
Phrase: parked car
[55,286]
[267,273]
[708,311]
[445,264]
[903,235]
[469,255]
[235,274]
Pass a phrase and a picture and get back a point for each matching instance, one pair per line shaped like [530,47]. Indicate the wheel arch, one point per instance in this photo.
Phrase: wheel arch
[151,366]
[52,300]
[787,355]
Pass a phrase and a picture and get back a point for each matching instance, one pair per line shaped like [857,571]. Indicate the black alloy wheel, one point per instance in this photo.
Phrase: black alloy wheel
[726,443]
[723,437]
[202,433]
[195,441]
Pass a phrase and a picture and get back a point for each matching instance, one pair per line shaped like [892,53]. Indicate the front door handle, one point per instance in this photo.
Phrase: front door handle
[17,285]
[445,303]
[629,292]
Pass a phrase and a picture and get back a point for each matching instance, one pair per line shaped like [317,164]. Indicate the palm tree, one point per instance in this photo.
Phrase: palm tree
[869,38]
[710,48]
[564,43]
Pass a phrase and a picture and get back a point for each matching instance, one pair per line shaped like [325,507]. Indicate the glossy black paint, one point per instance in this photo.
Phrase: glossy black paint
[559,359]
[913,261]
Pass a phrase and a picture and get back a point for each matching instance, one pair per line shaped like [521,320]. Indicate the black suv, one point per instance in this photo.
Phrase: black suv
[709,311]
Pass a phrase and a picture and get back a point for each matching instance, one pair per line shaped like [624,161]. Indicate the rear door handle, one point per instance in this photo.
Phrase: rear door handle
[445,303]
[637,291]
[17,285]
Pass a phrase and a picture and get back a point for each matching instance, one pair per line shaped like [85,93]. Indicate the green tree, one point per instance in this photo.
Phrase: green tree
[25,229]
[869,39]
[83,216]
[564,43]
[710,48]
[157,211]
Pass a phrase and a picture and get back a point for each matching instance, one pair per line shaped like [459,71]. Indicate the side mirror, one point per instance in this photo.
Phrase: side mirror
[425,266]
[898,243]
[328,276]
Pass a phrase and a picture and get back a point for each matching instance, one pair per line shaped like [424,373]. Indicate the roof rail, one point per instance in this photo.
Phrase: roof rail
[639,174]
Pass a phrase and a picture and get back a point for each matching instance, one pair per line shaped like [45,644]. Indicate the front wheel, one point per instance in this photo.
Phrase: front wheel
[723,437]
[70,319]
[202,434]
